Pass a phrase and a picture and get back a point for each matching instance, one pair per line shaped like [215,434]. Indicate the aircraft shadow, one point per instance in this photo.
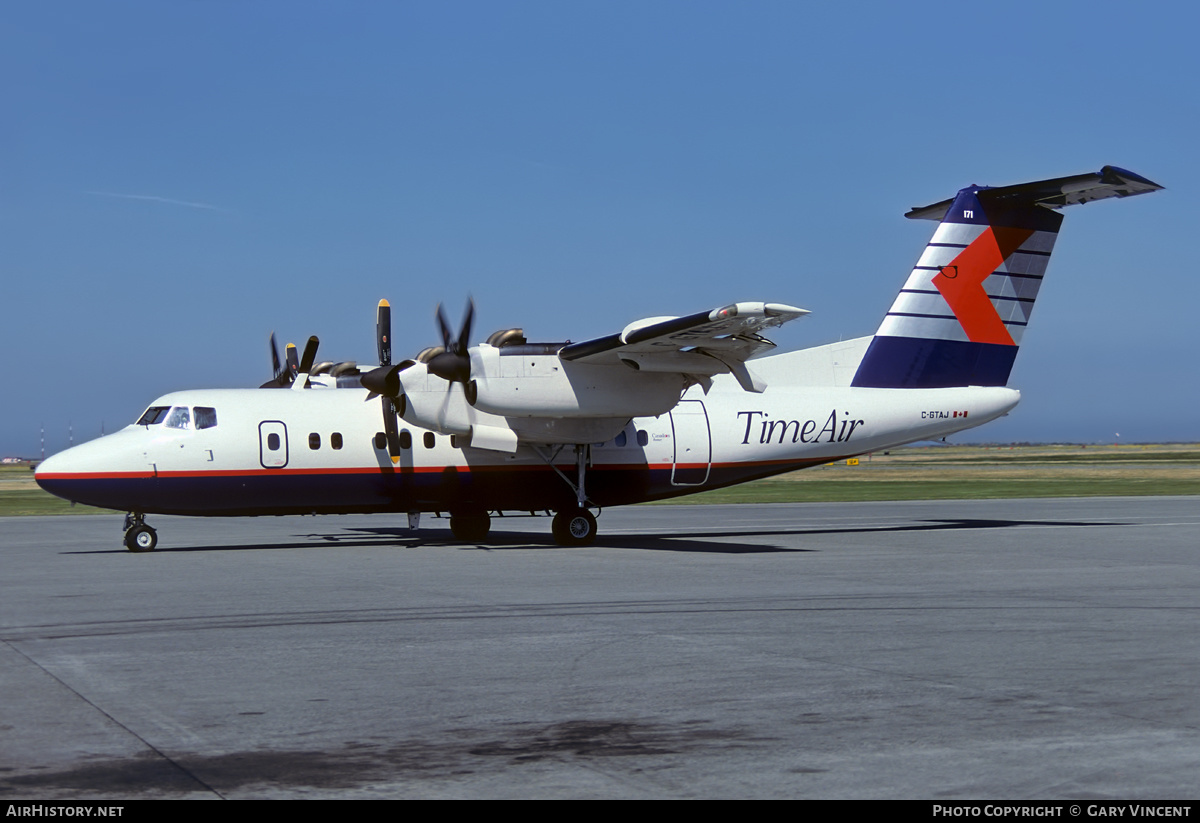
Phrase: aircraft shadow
[703,542]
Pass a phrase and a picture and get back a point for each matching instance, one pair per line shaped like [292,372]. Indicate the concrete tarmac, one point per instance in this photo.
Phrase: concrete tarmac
[1015,649]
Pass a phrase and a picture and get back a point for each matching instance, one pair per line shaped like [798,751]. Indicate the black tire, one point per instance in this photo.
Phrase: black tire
[574,527]
[470,528]
[141,539]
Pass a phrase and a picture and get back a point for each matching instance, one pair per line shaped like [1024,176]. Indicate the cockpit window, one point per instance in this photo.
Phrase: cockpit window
[153,415]
[179,418]
[206,417]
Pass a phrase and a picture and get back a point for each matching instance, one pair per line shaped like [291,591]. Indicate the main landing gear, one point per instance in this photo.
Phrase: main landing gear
[571,527]
[138,536]
[577,526]
[470,527]
[574,527]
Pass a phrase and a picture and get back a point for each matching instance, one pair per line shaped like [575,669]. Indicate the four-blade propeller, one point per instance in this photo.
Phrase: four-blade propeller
[452,363]
[385,380]
[285,374]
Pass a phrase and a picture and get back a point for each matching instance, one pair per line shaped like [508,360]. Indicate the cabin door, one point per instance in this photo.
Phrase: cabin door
[693,443]
[272,444]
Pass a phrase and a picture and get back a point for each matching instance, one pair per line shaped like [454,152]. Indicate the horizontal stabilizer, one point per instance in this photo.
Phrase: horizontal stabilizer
[1110,181]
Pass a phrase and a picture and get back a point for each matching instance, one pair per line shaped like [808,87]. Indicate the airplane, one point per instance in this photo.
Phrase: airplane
[668,406]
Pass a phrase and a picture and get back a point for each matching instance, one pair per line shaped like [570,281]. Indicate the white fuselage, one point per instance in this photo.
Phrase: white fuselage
[322,451]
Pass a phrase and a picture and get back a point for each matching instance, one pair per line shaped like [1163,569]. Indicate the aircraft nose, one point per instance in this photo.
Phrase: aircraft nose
[97,473]
[51,475]
[52,465]
[55,472]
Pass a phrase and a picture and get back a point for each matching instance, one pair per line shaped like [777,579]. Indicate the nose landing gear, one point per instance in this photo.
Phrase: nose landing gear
[138,536]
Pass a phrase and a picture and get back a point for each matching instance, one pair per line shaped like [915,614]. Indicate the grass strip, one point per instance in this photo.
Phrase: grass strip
[790,491]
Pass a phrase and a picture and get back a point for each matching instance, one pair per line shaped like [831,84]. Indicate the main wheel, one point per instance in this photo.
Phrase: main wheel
[470,528]
[141,539]
[574,527]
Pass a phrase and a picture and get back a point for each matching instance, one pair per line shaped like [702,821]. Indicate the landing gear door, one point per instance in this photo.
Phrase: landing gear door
[693,443]
[272,444]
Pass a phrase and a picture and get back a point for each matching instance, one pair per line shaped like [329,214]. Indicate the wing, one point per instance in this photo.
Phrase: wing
[705,343]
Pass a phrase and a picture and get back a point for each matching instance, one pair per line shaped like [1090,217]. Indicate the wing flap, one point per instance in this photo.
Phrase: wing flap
[732,330]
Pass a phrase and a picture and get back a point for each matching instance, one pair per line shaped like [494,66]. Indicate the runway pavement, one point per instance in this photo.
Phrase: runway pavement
[1016,649]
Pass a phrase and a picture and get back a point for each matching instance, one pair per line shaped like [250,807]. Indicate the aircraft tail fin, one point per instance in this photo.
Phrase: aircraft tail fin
[958,320]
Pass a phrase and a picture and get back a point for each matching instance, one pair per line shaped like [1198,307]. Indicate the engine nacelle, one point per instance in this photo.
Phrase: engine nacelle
[523,381]
[575,404]
[432,403]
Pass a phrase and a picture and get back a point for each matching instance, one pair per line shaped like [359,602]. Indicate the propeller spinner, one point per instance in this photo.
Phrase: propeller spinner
[454,363]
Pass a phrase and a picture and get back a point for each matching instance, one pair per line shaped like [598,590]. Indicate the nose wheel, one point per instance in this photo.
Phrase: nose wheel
[138,536]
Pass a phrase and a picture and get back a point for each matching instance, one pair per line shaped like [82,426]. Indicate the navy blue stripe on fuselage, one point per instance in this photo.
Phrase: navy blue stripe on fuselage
[279,492]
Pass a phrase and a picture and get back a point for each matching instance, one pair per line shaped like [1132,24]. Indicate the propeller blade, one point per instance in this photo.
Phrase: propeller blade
[293,365]
[391,430]
[464,336]
[444,328]
[276,365]
[310,354]
[442,413]
[281,375]
[383,332]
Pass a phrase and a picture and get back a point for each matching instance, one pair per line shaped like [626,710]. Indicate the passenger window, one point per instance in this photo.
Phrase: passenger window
[429,440]
[206,417]
[405,439]
[314,441]
[643,438]
[153,415]
[454,441]
[380,440]
[620,440]
[335,440]
[273,442]
[179,418]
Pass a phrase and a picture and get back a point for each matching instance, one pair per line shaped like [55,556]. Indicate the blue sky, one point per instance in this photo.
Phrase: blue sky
[177,179]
